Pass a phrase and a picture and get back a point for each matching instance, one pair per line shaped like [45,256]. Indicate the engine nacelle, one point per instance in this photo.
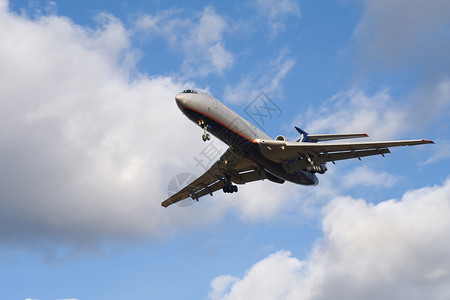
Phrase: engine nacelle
[281,138]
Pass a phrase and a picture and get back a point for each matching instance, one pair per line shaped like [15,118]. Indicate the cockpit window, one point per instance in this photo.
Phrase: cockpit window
[190,92]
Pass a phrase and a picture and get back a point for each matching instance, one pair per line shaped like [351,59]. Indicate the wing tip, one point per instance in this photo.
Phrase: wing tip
[427,141]
[164,204]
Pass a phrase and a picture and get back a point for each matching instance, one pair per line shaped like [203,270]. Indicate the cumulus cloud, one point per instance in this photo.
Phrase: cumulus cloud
[270,278]
[85,140]
[392,250]
[364,176]
[199,37]
[219,285]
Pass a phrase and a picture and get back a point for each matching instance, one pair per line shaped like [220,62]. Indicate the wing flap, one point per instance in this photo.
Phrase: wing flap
[248,176]
[208,189]
[323,158]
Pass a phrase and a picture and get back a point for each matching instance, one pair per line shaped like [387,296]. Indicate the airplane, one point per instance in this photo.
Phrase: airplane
[252,155]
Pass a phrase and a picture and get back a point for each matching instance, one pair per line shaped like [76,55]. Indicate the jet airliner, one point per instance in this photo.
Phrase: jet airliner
[252,155]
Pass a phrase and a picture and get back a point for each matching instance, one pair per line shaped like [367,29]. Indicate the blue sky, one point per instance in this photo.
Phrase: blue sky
[90,137]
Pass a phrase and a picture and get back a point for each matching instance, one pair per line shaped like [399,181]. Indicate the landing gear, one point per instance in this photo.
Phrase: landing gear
[321,169]
[313,167]
[230,189]
[205,136]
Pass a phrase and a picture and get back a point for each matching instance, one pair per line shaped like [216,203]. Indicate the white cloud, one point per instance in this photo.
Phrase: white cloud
[199,37]
[220,285]
[270,278]
[84,145]
[3,5]
[364,176]
[392,250]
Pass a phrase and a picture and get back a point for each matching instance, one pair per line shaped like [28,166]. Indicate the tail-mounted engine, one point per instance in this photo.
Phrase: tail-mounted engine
[281,138]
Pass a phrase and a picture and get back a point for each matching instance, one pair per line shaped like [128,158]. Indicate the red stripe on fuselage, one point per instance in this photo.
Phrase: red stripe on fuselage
[237,132]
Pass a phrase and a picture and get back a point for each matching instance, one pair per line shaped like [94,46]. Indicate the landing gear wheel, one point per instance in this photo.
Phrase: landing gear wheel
[205,136]
[321,169]
[230,189]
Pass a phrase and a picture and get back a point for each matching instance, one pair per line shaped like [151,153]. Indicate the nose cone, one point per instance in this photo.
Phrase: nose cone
[181,100]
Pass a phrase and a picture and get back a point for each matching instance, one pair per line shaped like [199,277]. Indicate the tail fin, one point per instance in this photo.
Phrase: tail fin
[304,136]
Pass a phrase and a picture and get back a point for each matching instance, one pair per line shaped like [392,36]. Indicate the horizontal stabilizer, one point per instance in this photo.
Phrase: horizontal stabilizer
[314,138]
[331,137]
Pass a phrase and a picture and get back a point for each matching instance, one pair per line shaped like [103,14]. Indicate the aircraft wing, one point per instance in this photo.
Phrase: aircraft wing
[282,152]
[230,167]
